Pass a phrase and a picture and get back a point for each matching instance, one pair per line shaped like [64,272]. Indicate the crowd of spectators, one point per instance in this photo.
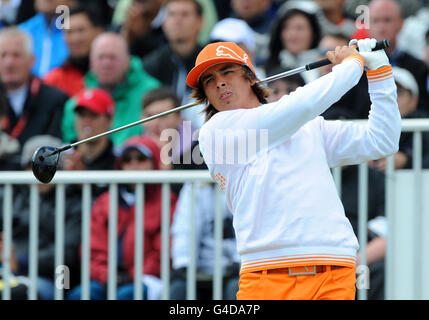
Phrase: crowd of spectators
[72,69]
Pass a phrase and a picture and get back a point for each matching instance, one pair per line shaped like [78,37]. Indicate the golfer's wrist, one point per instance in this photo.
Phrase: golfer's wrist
[382,73]
[356,58]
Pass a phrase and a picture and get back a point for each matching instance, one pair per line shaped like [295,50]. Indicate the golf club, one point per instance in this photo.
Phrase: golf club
[45,158]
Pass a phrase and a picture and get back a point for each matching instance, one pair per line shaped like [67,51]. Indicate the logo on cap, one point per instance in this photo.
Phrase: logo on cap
[220,52]
[214,53]
[88,94]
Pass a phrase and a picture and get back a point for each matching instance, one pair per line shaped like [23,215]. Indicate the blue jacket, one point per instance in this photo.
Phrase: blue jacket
[49,46]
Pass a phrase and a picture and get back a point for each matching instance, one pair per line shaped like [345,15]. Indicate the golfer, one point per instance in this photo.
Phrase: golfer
[293,237]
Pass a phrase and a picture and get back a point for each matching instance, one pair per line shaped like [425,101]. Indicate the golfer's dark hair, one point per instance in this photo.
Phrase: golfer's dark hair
[161,93]
[199,95]
[90,11]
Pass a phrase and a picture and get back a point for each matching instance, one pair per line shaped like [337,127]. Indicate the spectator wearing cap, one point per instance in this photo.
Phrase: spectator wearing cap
[408,93]
[259,15]
[235,30]
[137,153]
[94,112]
[238,31]
[122,75]
[46,251]
[176,137]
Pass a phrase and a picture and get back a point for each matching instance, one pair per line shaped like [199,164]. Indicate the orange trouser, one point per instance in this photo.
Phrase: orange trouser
[277,284]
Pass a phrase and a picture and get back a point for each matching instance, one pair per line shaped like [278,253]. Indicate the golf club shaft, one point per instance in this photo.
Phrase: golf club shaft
[156,116]
[284,74]
[317,64]
[382,44]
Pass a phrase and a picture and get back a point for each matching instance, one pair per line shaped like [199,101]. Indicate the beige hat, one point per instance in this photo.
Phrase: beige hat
[32,144]
[234,30]
[406,79]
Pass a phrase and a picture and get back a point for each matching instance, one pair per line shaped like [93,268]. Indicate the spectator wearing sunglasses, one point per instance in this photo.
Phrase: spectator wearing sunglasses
[138,153]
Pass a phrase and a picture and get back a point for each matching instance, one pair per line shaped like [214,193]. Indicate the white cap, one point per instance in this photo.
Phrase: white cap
[234,30]
[406,79]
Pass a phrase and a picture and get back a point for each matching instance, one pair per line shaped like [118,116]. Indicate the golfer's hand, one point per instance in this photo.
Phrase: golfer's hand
[337,56]
[373,59]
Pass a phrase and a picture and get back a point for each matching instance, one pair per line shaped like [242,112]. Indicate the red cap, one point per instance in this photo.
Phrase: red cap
[146,145]
[216,53]
[96,100]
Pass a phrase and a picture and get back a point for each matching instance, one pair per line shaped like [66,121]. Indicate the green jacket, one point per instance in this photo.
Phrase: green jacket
[128,103]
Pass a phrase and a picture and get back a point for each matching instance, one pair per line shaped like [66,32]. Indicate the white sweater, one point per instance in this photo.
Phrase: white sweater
[280,190]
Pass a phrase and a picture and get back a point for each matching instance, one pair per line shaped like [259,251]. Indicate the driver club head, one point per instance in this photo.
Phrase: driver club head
[44,163]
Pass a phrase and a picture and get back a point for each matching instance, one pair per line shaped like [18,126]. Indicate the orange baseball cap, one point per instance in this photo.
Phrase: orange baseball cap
[215,53]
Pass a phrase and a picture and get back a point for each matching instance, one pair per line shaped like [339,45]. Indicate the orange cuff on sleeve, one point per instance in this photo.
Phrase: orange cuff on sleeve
[379,74]
[357,58]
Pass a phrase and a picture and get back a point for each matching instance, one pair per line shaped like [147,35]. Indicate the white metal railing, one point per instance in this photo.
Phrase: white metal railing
[113,178]
[420,218]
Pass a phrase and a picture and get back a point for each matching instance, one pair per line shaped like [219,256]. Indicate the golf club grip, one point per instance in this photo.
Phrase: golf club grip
[382,44]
